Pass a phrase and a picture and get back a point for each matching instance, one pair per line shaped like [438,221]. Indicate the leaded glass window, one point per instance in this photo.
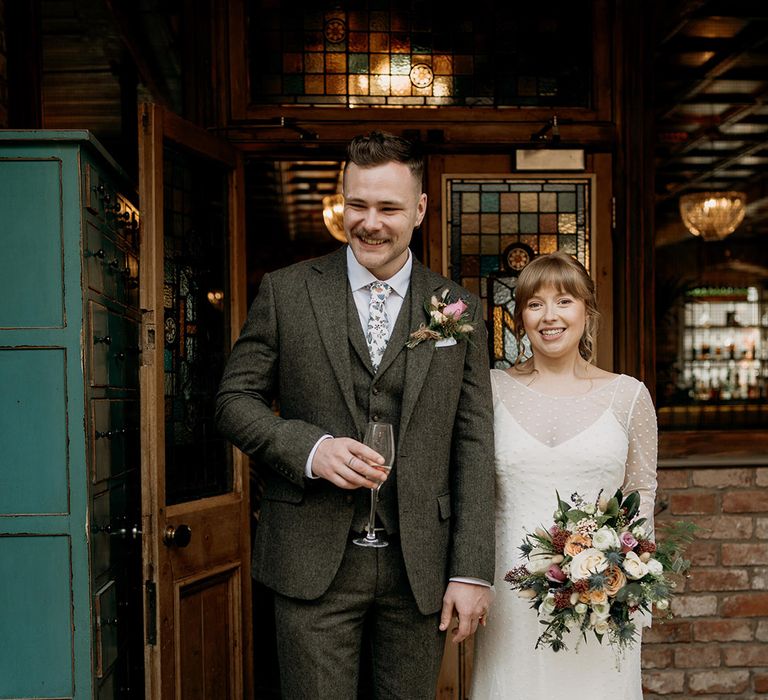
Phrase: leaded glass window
[492,221]
[420,54]
[197,459]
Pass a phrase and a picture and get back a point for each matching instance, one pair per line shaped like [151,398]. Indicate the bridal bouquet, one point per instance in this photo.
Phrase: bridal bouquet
[595,567]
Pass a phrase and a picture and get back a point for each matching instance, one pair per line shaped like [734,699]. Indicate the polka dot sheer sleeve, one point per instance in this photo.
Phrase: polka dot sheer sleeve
[642,433]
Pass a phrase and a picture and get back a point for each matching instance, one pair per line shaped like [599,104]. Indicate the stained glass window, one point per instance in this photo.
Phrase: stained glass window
[486,216]
[195,331]
[406,53]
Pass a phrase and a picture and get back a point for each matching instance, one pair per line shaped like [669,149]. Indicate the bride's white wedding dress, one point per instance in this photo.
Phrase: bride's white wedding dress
[606,439]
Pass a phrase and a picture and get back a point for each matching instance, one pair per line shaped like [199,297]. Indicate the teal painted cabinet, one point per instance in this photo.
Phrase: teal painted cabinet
[70,550]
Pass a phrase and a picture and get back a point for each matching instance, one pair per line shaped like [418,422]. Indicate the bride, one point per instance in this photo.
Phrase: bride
[561,423]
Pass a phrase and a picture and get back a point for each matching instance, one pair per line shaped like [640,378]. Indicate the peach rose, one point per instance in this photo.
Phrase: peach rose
[576,543]
[614,580]
[593,596]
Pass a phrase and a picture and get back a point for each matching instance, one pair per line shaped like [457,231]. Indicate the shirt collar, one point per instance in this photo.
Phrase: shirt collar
[360,276]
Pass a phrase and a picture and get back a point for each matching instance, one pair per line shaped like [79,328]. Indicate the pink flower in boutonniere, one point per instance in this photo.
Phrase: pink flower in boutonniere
[455,310]
[446,320]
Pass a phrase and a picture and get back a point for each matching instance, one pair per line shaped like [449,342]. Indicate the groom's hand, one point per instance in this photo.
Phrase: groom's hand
[348,464]
[469,603]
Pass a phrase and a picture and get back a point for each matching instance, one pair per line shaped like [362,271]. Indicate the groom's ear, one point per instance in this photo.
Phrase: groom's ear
[421,209]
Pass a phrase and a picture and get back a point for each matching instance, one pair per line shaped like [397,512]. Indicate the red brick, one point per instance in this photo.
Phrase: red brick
[762,631]
[672,478]
[722,478]
[744,554]
[759,579]
[690,503]
[718,681]
[761,476]
[761,528]
[656,656]
[690,656]
[723,631]
[723,527]
[746,655]
[745,501]
[703,553]
[663,682]
[745,605]
[761,682]
[718,580]
[670,632]
[694,605]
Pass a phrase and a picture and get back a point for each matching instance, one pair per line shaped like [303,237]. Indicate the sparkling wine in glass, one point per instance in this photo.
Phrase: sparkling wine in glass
[381,438]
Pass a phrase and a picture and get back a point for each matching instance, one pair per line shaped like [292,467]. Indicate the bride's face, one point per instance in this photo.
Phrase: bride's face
[554,322]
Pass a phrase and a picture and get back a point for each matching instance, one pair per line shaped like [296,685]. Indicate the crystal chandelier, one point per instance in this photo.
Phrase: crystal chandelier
[712,215]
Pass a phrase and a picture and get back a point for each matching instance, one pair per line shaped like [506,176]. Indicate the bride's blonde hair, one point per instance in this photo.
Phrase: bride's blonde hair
[567,275]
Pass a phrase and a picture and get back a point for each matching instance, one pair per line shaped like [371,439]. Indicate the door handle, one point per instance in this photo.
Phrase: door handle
[177,535]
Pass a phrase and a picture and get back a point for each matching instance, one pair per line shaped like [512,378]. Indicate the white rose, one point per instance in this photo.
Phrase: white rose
[606,538]
[639,532]
[589,509]
[547,606]
[580,608]
[586,562]
[599,624]
[602,610]
[655,567]
[540,560]
[662,604]
[634,567]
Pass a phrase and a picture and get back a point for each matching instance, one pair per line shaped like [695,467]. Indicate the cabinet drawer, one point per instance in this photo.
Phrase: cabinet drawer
[111,270]
[111,529]
[114,437]
[114,342]
[105,617]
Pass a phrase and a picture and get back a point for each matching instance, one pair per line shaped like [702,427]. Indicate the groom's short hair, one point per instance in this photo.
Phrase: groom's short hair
[380,147]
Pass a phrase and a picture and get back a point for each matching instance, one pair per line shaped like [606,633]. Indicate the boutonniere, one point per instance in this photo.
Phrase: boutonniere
[446,320]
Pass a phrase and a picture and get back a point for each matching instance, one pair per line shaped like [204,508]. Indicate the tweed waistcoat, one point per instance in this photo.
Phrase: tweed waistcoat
[378,397]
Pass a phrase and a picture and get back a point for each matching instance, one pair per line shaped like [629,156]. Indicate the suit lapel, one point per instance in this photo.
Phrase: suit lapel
[418,358]
[328,289]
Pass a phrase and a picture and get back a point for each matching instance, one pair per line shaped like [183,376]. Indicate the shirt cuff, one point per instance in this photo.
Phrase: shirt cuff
[308,466]
[469,579]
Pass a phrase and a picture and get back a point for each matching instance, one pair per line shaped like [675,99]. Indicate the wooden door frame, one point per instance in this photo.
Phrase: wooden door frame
[156,125]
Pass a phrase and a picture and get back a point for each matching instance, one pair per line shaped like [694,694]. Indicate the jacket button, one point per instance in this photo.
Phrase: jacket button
[350,498]
[375,391]
[375,418]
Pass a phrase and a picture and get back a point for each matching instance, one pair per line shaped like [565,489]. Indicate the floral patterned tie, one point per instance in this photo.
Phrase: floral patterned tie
[377,334]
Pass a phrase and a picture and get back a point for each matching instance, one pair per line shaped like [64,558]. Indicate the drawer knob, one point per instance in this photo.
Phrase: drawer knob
[177,536]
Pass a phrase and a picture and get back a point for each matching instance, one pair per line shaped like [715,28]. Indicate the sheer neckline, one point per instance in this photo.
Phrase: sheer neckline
[591,392]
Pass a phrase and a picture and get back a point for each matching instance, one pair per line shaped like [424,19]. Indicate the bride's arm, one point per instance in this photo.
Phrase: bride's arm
[640,472]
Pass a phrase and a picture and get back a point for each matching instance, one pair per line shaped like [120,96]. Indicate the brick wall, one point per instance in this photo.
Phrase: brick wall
[716,645]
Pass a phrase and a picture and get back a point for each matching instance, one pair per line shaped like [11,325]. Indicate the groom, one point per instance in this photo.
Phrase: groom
[327,339]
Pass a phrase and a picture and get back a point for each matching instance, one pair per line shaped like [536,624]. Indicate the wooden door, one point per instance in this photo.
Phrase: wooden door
[194,485]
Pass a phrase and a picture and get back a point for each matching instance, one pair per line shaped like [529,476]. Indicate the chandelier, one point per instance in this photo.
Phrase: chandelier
[712,215]
[333,216]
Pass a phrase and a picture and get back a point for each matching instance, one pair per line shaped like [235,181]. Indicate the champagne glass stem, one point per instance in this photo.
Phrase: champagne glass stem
[371,534]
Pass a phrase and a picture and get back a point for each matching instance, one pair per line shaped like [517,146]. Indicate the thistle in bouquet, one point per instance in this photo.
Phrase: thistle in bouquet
[596,566]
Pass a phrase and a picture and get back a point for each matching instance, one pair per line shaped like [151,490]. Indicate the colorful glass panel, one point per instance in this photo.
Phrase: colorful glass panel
[486,215]
[423,54]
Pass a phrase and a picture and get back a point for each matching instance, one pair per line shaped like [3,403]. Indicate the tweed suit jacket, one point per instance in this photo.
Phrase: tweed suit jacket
[295,346]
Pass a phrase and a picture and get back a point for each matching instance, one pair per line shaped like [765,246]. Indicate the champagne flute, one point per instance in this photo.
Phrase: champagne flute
[379,437]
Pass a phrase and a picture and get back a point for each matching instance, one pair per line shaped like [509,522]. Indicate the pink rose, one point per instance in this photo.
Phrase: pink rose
[628,541]
[555,574]
[455,310]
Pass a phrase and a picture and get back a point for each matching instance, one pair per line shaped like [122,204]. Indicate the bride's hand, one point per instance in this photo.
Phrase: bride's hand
[469,603]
